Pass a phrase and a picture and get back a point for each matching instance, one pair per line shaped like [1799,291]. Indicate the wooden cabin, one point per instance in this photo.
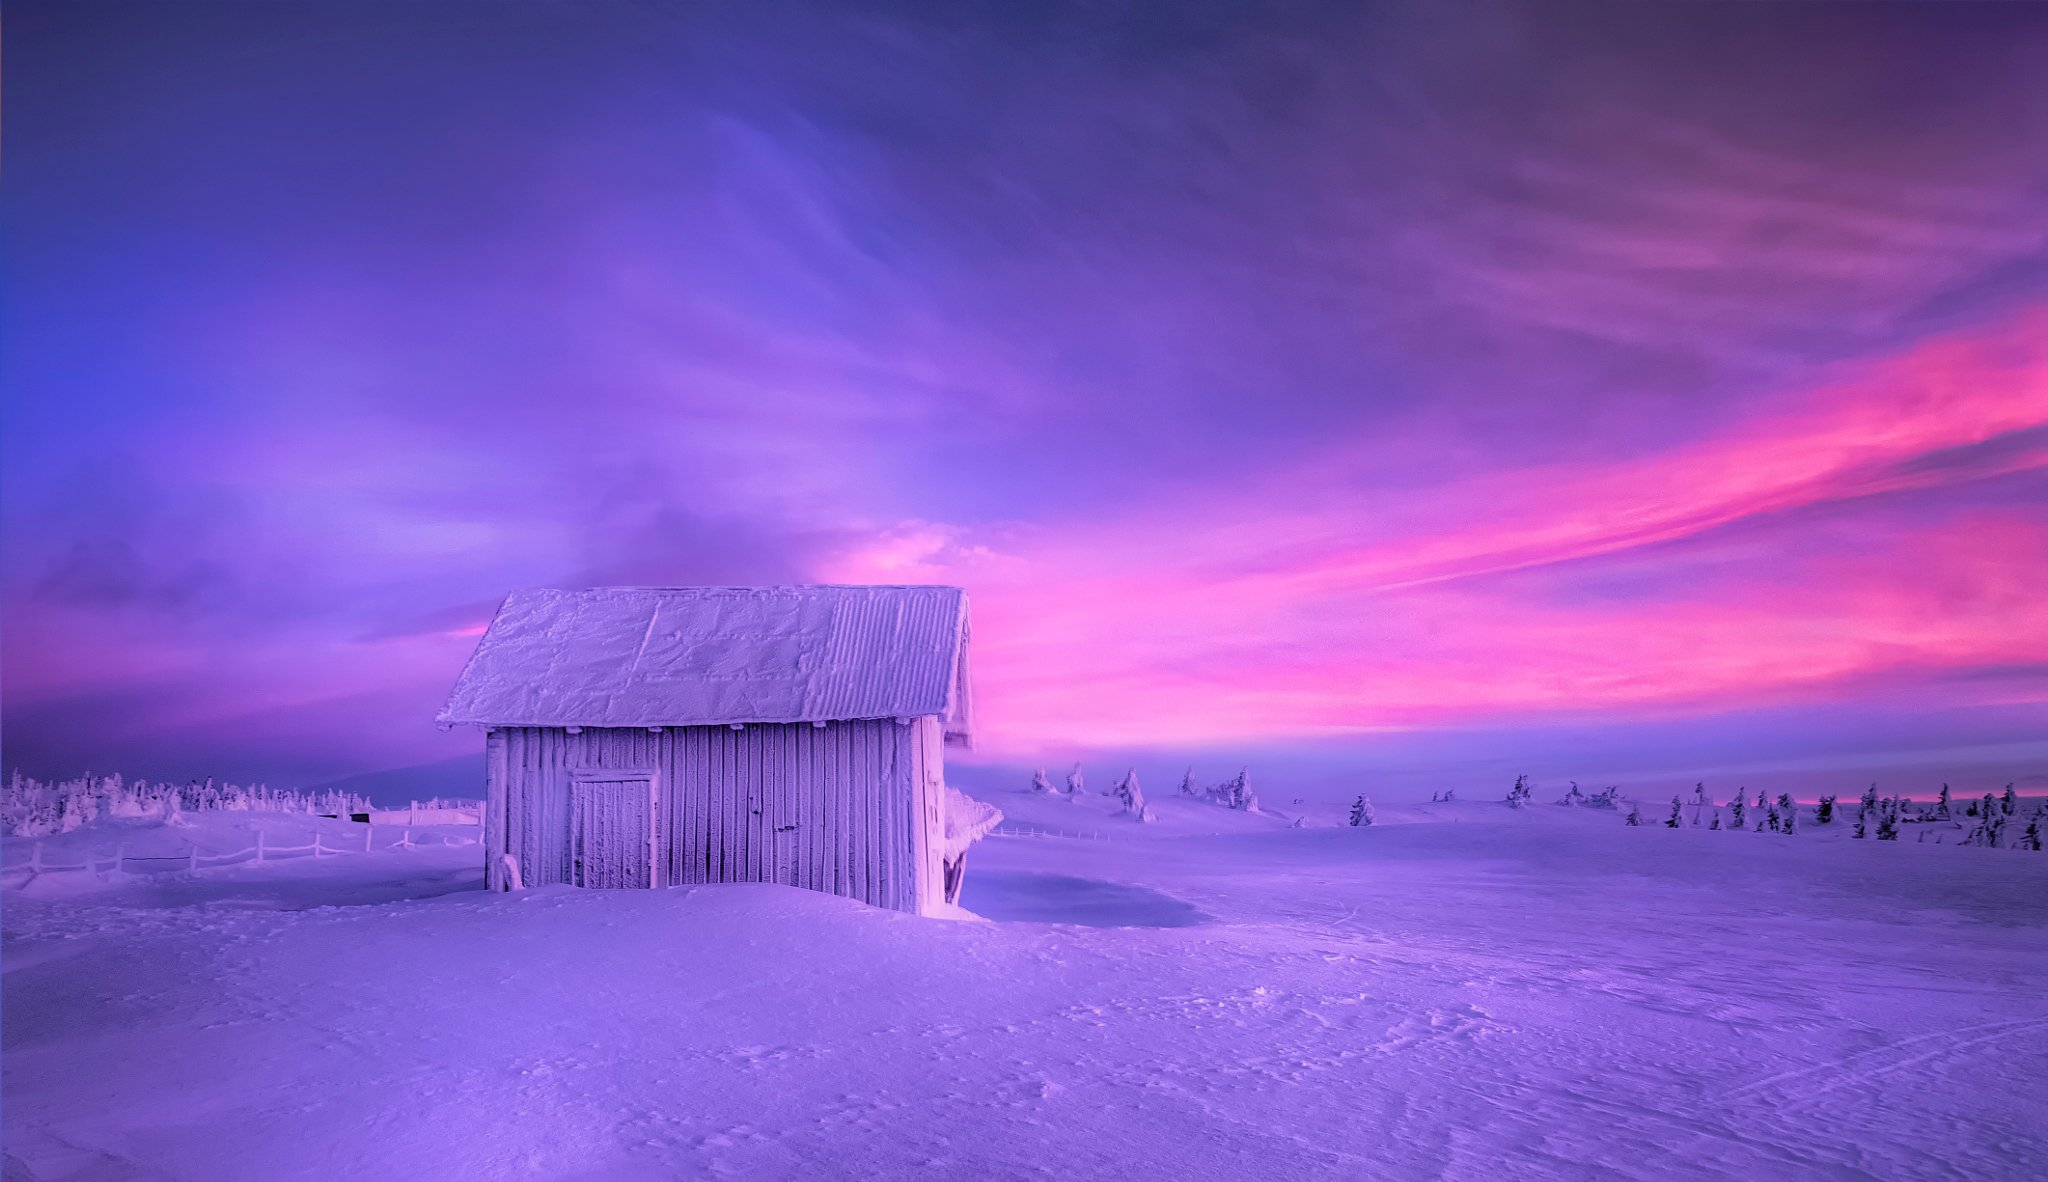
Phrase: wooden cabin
[651,736]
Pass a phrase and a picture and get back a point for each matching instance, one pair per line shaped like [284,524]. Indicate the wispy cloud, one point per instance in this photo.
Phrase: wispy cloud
[1301,601]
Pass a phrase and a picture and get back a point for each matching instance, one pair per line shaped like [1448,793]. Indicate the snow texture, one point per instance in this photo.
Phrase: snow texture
[1462,991]
[699,656]
[967,821]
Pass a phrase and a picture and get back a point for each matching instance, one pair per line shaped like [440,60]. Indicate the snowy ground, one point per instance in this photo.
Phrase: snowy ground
[1462,991]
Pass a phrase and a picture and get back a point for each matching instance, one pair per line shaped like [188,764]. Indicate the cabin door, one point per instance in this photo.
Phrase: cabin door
[612,839]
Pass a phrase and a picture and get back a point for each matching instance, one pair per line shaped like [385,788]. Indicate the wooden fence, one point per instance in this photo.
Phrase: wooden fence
[192,861]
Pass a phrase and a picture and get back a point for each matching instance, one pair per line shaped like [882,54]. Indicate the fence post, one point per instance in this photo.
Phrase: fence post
[367,831]
[405,841]
[192,859]
[317,851]
[120,857]
[35,859]
[259,847]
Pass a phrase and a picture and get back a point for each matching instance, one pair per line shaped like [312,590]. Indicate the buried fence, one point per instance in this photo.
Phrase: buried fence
[192,860]
[1050,831]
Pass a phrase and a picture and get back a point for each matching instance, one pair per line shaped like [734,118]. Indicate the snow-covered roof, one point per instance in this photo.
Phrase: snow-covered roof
[697,656]
[967,821]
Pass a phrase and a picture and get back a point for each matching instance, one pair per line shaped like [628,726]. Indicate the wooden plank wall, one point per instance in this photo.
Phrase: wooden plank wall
[851,808]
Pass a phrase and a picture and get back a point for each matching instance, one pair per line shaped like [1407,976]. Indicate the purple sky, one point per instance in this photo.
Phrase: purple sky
[1406,387]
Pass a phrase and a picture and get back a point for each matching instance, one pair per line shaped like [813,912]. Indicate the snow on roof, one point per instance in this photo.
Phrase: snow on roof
[967,821]
[695,656]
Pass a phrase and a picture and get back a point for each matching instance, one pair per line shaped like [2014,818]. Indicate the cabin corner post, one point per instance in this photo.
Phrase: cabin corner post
[928,814]
[494,810]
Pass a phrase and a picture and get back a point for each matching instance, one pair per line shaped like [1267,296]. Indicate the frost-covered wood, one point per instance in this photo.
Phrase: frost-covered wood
[796,735]
[695,656]
[854,808]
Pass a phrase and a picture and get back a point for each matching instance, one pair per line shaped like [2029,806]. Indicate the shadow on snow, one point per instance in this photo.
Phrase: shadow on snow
[1012,897]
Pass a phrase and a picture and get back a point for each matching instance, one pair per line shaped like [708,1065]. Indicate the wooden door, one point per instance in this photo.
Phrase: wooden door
[613,838]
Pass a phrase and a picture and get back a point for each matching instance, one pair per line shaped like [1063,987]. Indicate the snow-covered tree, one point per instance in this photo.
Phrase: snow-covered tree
[1699,793]
[1673,821]
[1791,820]
[1888,825]
[1074,783]
[2030,839]
[1735,808]
[2008,802]
[1237,793]
[1040,782]
[1825,813]
[1635,815]
[1187,783]
[1361,812]
[1941,804]
[1573,797]
[1521,794]
[1132,796]
[1859,833]
[1717,820]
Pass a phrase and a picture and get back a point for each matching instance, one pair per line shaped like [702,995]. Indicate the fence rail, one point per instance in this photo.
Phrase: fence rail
[1050,832]
[195,861]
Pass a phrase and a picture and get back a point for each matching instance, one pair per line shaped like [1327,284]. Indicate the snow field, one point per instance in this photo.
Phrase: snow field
[1459,991]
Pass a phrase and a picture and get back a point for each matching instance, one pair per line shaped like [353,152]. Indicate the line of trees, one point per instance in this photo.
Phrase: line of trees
[39,808]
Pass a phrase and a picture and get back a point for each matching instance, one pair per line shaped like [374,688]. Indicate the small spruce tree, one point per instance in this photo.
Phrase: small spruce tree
[1941,804]
[1635,815]
[1074,782]
[1717,820]
[1361,812]
[1132,796]
[1187,783]
[1672,821]
[2030,839]
[1825,813]
[1039,782]
[1735,808]
[2008,802]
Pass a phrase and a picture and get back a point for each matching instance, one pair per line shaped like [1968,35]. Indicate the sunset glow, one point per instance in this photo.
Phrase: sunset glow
[1285,379]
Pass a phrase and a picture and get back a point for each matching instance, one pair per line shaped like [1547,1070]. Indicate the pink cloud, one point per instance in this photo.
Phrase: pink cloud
[1306,601]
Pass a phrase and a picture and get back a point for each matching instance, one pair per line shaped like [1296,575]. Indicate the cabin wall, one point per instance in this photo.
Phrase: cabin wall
[851,808]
